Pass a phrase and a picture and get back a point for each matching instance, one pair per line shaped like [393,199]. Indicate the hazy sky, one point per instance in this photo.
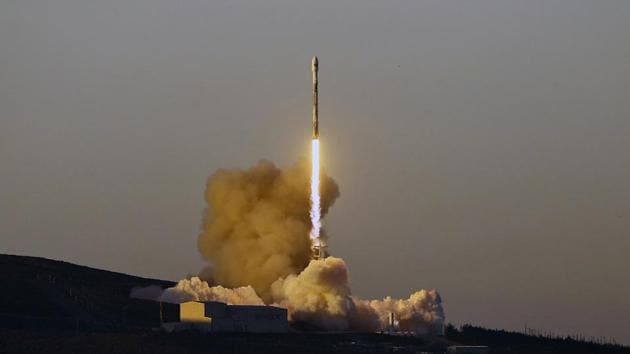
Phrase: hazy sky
[482,147]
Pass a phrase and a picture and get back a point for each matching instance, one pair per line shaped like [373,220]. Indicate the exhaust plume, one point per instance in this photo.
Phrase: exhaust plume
[256,226]
[320,296]
[421,313]
[195,289]
[255,235]
[315,213]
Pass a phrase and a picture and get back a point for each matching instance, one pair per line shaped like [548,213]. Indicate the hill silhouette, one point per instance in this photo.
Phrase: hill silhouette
[502,341]
[43,293]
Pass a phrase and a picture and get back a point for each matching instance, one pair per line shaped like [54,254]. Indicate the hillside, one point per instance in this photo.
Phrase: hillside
[43,293]
[518,343]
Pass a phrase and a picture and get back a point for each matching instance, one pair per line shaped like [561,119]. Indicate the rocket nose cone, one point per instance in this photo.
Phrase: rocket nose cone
[315,62]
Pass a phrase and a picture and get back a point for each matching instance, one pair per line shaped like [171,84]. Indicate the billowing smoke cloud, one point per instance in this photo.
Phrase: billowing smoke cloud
[255,228]
[255,235]
[421,313]
[320,295]
[195,289]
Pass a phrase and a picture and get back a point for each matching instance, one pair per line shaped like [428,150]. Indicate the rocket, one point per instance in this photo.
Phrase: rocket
[315,70]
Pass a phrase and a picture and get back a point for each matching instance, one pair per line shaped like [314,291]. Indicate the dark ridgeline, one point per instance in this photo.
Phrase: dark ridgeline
[38,293]
[58,307]
[516,343]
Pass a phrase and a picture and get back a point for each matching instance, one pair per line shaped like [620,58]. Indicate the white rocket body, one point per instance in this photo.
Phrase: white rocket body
[315,70]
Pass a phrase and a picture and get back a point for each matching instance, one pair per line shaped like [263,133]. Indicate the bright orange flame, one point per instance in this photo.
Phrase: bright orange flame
[315,213]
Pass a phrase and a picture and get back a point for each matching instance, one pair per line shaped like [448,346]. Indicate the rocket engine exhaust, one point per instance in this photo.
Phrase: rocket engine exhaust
[318,249]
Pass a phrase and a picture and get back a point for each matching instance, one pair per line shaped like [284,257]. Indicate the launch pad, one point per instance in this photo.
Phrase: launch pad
[319,251]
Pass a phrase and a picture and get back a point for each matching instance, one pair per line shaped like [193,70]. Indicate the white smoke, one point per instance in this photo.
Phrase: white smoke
[195,289]
[421,313]
[320,295]
[255,233]
[151,292]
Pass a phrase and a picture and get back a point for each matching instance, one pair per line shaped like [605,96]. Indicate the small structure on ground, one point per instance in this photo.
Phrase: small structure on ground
[210,316]
[467,349]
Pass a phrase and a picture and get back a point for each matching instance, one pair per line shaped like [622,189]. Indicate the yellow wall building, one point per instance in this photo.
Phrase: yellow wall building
[193,312]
